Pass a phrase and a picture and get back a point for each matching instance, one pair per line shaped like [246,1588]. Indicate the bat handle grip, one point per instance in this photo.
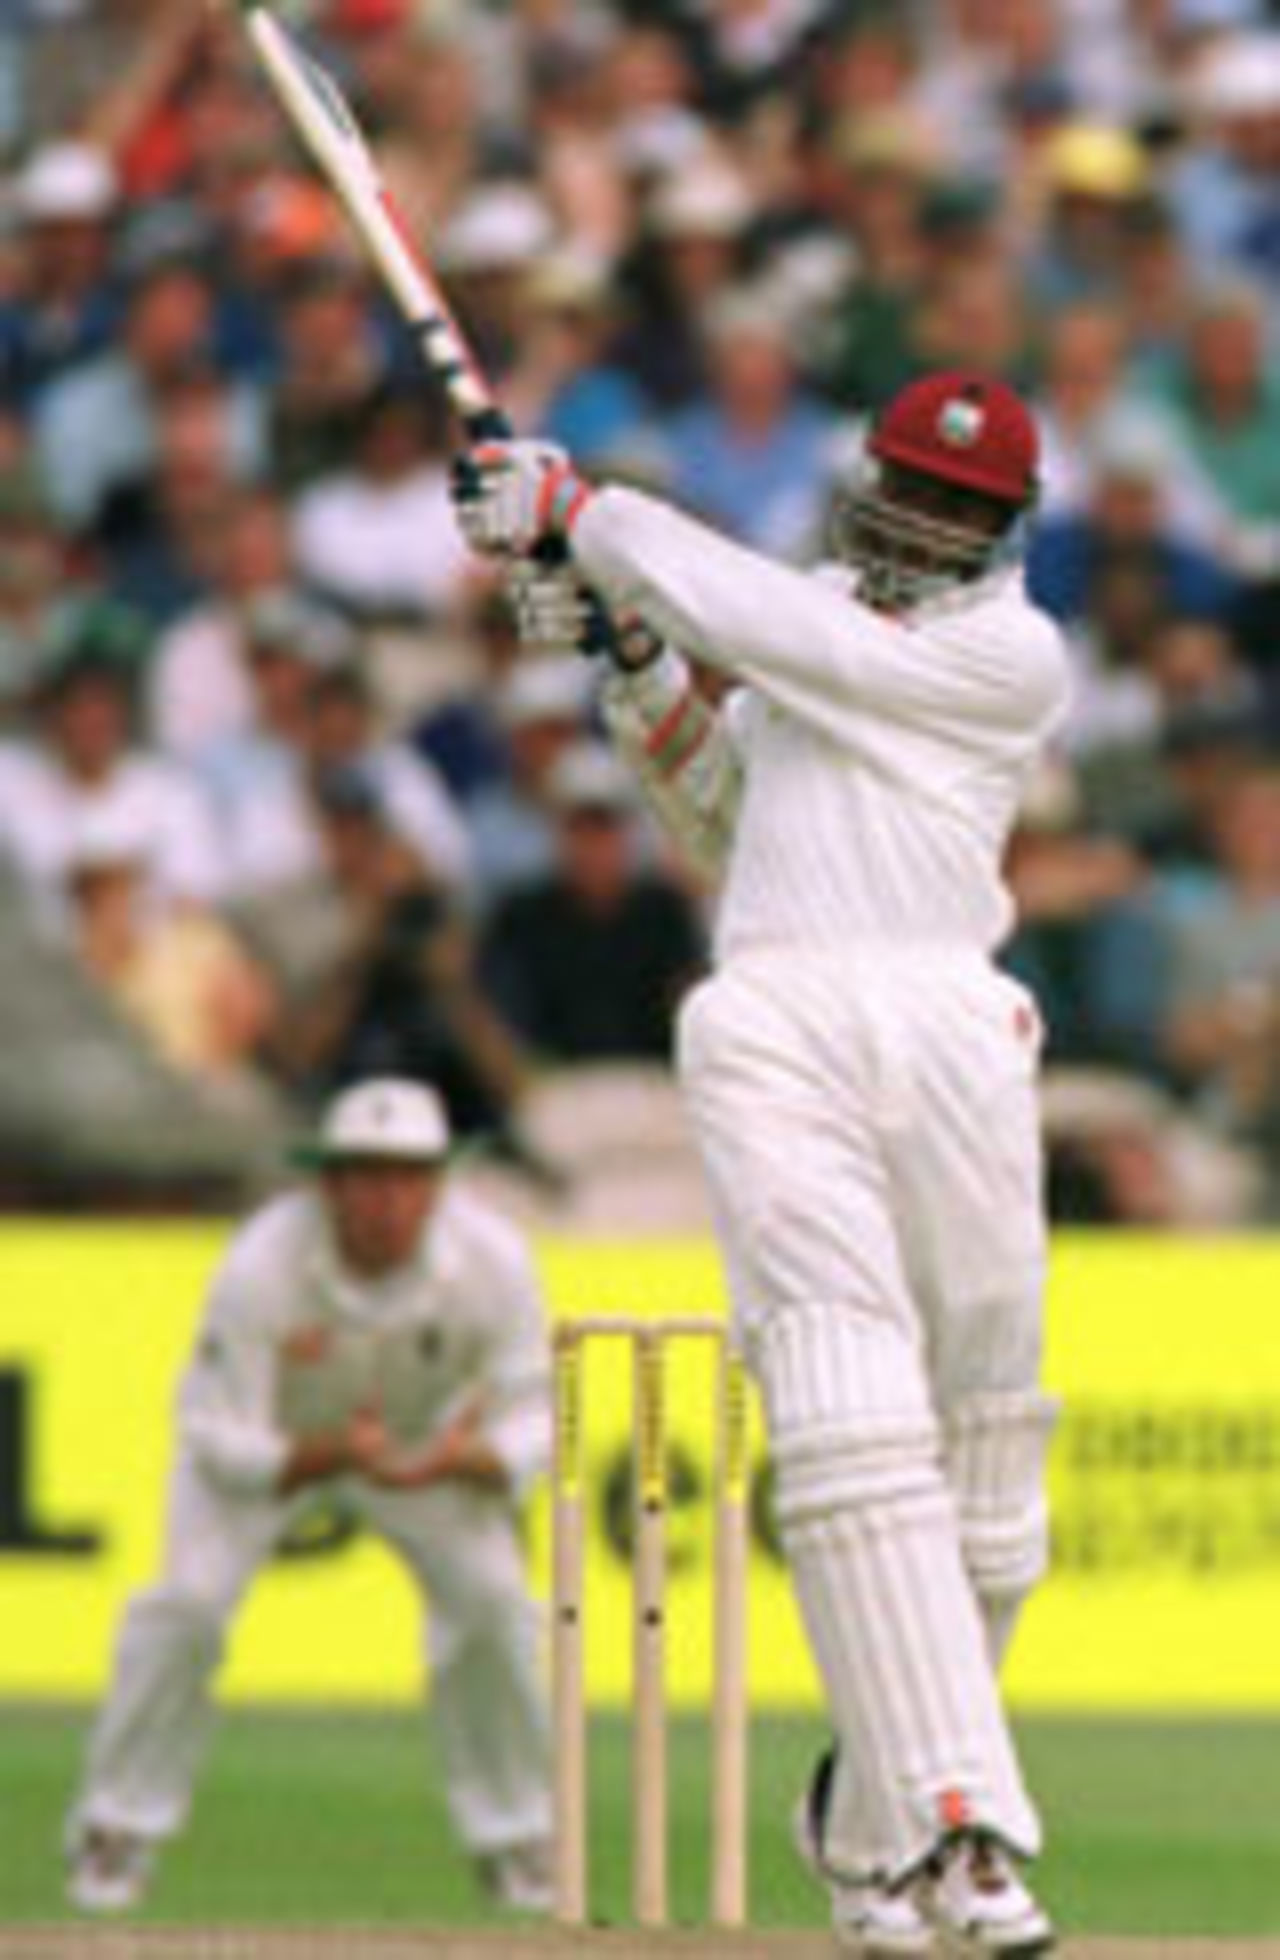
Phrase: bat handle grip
[491,424]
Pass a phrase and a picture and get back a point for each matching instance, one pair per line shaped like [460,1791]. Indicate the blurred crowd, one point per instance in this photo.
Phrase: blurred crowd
[279,802]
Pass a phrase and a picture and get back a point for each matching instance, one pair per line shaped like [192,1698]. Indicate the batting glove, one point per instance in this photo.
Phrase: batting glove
[556,613]
[553,609]
[513,498]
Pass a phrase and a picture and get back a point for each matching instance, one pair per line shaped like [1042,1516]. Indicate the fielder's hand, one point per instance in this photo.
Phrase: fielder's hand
[457,1454]
[513,498]
[368,1444]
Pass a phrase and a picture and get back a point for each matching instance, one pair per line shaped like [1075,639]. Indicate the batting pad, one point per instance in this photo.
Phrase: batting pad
[870,1529]
[996,1445]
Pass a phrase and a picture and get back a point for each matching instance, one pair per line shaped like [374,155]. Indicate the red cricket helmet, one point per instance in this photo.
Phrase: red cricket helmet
[964,429]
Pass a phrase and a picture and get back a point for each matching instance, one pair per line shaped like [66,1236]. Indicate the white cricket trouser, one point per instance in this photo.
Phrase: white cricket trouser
[487,1697]
[869,1129]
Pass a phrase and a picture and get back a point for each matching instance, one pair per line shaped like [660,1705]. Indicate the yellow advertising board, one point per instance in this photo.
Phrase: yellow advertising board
[1166,1480]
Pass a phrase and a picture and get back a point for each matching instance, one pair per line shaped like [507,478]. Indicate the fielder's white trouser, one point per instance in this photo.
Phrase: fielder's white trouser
[869,1129]
[487,1698]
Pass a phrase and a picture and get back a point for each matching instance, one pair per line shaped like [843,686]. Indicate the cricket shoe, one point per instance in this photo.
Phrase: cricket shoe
[869,1918]
[979,1906]
[110,1870]
[519,1878]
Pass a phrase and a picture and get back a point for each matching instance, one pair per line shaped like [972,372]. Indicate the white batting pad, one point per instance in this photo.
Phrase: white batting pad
[870,1528]
[996,1445]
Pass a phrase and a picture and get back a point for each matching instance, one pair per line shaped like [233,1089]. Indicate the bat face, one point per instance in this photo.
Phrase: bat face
[324,123]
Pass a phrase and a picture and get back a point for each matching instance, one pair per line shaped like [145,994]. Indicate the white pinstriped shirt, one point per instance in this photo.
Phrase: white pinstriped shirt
[883,759]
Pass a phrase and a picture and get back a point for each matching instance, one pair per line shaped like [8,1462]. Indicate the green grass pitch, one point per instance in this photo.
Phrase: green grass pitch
[337,1817]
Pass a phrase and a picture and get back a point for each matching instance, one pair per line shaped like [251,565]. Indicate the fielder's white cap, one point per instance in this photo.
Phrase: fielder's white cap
[388,1119]
[66,180]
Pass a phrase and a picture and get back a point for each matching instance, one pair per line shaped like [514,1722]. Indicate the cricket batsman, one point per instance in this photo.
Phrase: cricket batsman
[377,1336]
[861,1081]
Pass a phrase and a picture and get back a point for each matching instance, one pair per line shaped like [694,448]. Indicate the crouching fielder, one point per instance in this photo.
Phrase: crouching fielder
[861,1081]
[380,1338]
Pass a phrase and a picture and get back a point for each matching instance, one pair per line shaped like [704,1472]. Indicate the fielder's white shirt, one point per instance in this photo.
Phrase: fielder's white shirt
[884,759]
[463,1318]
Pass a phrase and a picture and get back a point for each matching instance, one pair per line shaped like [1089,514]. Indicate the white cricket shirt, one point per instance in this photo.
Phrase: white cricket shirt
[462,1318]
[884,758]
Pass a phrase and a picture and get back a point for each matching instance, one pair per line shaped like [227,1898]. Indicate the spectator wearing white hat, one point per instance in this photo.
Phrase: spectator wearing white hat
[487,253]
[67,304]
[694,228]
[1225,187]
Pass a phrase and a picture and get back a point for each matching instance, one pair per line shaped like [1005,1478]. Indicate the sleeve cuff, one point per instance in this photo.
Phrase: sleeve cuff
[242,1462]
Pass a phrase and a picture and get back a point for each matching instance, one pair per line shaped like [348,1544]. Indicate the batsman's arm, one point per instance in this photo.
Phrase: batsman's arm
[810,644]
[682,749]
[995,672]
[684,755]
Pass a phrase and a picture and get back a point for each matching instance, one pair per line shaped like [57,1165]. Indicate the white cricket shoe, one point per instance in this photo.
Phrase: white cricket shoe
[520,1878]
[980,1906]
[870,1919]
[877,1923]
[110,1870]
